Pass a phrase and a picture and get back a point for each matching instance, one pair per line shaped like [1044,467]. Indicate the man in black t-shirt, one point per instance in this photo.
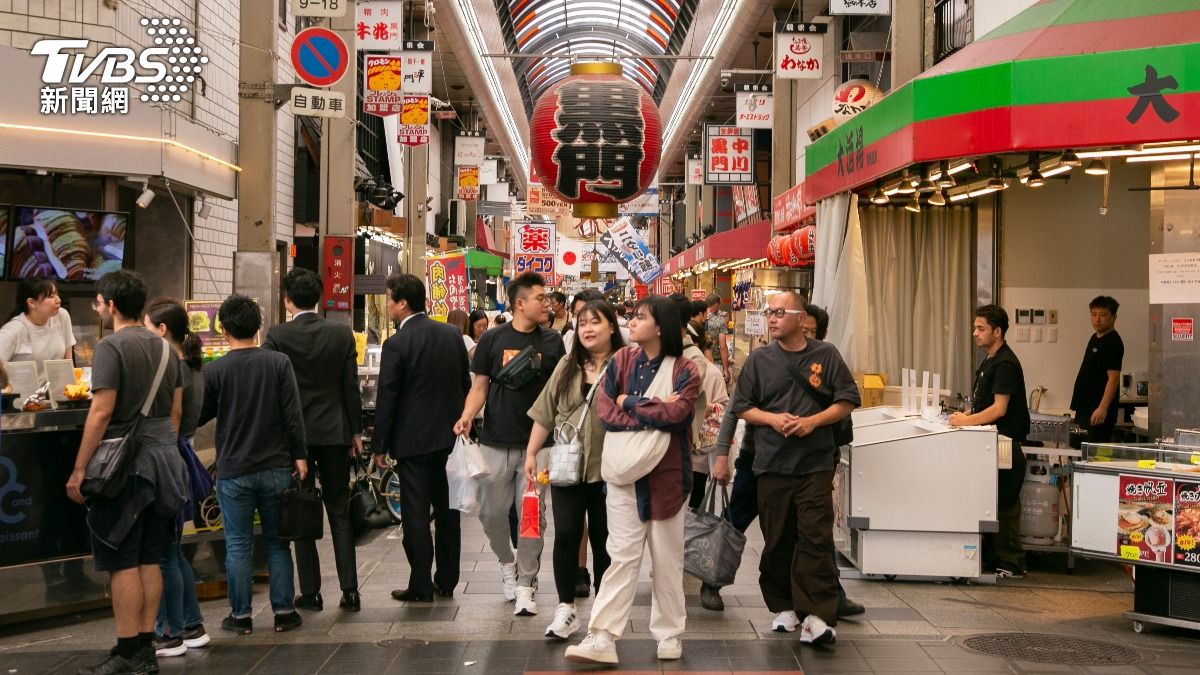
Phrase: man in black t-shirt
[1095,396]
[533,352]
[999,398]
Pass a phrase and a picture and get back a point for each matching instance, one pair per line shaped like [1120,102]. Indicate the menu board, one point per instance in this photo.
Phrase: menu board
[1145,522]
[203,321]
[1187,523]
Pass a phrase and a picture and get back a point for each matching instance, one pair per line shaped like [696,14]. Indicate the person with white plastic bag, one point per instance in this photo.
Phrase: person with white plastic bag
[646,402]
[567,405]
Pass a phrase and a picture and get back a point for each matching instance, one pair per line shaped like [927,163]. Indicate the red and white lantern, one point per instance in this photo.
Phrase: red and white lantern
[596,139]
[804,246]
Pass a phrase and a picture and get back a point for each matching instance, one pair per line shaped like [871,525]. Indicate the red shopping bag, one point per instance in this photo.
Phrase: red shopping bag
[530,512]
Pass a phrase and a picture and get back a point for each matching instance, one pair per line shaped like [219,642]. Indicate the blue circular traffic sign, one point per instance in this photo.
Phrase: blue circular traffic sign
[319,56]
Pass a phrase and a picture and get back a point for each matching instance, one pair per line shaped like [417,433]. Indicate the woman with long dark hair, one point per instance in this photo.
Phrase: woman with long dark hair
[478,324]
[39,329]
[180,625]
[649,510]
[561,406]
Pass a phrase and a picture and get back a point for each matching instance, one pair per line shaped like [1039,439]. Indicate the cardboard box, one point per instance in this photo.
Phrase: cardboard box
[870,388]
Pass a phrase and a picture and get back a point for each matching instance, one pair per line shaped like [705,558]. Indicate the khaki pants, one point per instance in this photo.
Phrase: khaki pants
[627,540]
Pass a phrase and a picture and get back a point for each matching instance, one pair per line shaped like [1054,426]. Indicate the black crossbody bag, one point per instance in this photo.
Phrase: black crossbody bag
[524,368]
[843,429]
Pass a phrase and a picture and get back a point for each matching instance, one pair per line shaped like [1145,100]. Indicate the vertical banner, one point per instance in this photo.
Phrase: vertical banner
[381,85]
[469,148]
[800,50]
[695,171]
[417,58]
[468,183]
[377,25]
[728,155]
[446,277]
[414,121]
[755,106]
[533,247]
[338,274]
[634,253]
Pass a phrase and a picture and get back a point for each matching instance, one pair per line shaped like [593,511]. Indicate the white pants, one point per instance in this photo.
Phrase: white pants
[500,490]
[627,539]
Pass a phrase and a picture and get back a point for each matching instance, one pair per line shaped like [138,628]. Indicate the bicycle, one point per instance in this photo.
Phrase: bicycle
[385,482]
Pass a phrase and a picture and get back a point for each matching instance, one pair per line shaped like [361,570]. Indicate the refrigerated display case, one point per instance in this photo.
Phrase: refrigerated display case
[1140,504]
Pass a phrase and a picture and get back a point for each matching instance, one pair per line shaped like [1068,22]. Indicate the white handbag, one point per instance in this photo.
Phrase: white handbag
[631,455]
[566,455]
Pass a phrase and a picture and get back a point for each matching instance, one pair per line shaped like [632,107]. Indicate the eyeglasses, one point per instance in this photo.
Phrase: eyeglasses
[780,313]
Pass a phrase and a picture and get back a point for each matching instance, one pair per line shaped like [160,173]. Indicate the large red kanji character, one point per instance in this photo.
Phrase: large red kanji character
[720,145]
[741,164]
[534,239]
[362,30]
[741,145]
[380,31]
[719,163]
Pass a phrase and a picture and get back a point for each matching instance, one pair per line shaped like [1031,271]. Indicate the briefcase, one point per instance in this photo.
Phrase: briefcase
[301,516]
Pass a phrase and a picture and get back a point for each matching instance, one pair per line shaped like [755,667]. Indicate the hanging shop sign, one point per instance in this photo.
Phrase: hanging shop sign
[745,203]
[318,102]
[837,7]
[533,247]
[468,183]
[635,254]
[699,294]
[542,201]
[596,139]
[414,121]
[489,172]
[319,56]
[695,171]
[800,50]
[645,204]
[446,276]
[381,85]
[853,97]
[728,155]
[338,274]
[418,67]
[377,25]
[469,148]
[788,209]
[320,8]
[755,106]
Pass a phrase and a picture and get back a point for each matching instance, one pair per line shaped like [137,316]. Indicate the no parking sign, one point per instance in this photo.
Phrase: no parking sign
[319,56]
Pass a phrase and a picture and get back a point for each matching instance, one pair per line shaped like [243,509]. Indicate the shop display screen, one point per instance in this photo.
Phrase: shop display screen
[69,245]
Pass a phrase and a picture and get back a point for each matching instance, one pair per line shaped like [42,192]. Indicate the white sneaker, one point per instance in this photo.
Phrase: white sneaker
[785,622]
[595,648]
[670,649]
[566,621]
[817,632]
[508,574]
[526,605]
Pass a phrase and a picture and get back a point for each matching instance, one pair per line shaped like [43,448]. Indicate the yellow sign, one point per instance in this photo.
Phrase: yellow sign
[1196,458]
[1147,464]
[360,347]
[1131,553]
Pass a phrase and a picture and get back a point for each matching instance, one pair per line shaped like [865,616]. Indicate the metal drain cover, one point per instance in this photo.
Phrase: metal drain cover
[1052,649]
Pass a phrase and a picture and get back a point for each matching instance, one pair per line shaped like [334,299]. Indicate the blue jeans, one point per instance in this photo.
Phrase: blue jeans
[239,498]
[178,609]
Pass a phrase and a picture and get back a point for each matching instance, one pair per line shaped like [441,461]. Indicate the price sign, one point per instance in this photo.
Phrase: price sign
[1131,553]
[1147,464]
[326,8]
[756,323]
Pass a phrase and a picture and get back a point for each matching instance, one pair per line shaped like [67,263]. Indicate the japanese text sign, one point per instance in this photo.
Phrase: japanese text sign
[860,7]
[755,106]
[377,25]
[695,171]
[338,274]
[534,247]
[1182,329]
[728,155]
[635,254]
[318,102]
[448,287]
[800,50]
[1145,527]
[418,68]
[414,121]
[469,148]
[1187,522]
[381,85]
[468,183]
[645,204]
[745,203]
[788,209]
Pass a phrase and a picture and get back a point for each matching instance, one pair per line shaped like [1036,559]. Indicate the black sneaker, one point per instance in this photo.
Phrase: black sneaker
[115,664]
[286,622]
[196,637]
[244,626]
[1009,571]
[147,660]
[848,607]
[169,646]
[583,585]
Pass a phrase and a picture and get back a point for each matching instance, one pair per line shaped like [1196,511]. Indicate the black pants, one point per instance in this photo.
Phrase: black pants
[423,488]
[330,463]
[699,485]
[743,499]
[1004,546]
[797,571]
[571,506]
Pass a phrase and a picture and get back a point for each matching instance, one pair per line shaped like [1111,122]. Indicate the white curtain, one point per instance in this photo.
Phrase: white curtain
[840,279]
[919,283]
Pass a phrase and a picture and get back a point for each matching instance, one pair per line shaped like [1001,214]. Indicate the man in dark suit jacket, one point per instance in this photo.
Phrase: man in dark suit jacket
[324,358]
[423,383]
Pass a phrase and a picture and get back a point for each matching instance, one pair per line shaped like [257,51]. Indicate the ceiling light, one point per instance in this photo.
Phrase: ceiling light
[997,183]
[927,185]
[985,190]
[1036,179]
[961,166]
[960,196]
[914,206]
[1096,167]
[878,197]
[908,184]
[1061,168]
[944,179]
[1069,158]
[937,199]
[1159,158]
[146,197]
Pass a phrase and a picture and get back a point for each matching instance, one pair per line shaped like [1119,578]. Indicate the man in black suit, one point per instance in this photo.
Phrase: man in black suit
[325,361]
[423,383]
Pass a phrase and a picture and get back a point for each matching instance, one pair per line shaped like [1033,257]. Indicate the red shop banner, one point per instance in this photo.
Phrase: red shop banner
[338,274]
[788,209]
[447,279]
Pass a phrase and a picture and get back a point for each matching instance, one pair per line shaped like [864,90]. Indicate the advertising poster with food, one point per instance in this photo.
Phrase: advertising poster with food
[203,321]
[1145,522]
[66,245]
[1187,523]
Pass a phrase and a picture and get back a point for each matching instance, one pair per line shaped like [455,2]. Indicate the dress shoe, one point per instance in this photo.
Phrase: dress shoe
[286,622]
[350,601]
[406,595]
[849,607]
[312,602]
[443,592]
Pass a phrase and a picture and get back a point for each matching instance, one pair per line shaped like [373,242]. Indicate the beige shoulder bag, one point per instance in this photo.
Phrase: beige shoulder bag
[630,455]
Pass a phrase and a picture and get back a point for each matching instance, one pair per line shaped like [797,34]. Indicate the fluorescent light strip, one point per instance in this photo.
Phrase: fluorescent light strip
[1158,158]
[1146,150]
[959,197]
[1061,168]
[716,38]
[959,168]
[475,35]
[123,137]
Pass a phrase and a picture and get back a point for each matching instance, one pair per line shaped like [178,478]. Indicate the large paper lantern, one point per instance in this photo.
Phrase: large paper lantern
[774,256]
[853,97]
[804,245]
[596,139]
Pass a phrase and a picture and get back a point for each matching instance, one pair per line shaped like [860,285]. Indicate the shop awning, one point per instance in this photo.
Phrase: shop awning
[748,241]
[1062,74]
[482,260]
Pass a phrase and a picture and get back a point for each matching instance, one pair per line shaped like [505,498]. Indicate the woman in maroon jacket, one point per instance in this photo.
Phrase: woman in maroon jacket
[650,510]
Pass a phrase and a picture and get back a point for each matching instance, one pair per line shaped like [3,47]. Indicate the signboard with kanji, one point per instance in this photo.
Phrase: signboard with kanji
[414,121]
[338,274]
[543,202]
[318,102]
[728,155]
[381,85]
[534,247]
[755,106]
[418,67]
[635,254]
[860,7]
[468,183]
[745,203]
[469,148]
[788,209]
[695,171]
[378,25]
[446,276]
[800,50]
[645,204]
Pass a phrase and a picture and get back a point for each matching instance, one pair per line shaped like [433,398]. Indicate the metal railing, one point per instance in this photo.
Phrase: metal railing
[953,26]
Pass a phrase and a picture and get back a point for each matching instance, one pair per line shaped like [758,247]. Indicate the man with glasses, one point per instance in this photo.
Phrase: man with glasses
[779,393]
